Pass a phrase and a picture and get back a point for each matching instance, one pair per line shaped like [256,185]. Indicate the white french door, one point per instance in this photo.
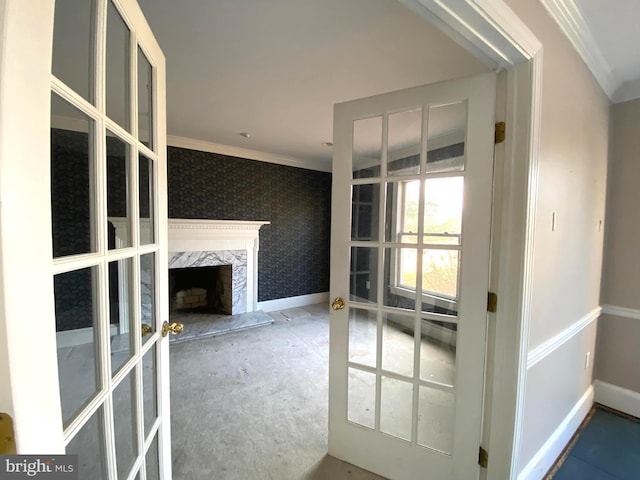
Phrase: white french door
[412,192]
[108,170]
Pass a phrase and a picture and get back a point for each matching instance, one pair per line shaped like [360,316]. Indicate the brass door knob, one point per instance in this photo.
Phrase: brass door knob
[338,304]
[146,329]
[175,328]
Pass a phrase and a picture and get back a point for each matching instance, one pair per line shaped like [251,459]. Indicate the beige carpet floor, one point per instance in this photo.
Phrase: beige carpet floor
[253,404]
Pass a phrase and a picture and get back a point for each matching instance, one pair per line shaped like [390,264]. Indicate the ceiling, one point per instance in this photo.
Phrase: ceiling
[275,68]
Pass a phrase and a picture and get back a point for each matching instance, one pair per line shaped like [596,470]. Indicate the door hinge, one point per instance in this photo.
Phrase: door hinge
[7,439]
[500,132]
[492,302]
[483,458]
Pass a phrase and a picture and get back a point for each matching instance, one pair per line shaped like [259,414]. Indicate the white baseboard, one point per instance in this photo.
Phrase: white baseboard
[544,459]
[293,302]
[619,398]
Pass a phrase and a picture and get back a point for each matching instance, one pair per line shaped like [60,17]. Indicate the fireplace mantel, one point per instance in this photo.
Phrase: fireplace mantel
[192,235]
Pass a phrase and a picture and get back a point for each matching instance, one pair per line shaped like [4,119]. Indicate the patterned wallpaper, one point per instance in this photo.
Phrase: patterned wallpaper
[294,250]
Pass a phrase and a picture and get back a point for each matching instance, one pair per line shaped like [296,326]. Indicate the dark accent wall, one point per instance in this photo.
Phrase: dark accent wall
[294,249]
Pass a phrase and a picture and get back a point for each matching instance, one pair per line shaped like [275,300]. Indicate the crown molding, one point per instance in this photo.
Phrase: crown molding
[570,20]
[203,146]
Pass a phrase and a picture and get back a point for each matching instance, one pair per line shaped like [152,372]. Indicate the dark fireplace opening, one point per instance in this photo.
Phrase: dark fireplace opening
[200,290]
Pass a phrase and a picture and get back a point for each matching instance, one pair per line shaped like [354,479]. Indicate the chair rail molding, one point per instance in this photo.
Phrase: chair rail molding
[555,342]
[621,312]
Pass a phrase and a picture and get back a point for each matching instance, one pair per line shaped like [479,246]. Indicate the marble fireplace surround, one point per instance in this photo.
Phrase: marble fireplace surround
[203,243]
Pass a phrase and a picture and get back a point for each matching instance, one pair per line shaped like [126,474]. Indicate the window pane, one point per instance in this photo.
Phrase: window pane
[117,69]
[400,276]
[410,202]
[119,221]
[72,180]
[145,103]
[73,45]
[365,212]
[367,147]
[440,272]
[88,444]
[363,328]
[145,178]
[364,275]
[120,311]
[443,199]
[446,137]
[404,142]
[77,332]
[361,398]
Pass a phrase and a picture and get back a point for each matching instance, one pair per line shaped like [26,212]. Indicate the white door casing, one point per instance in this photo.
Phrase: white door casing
[394,457]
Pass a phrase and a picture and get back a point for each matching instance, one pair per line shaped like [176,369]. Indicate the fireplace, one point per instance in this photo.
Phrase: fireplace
[198,247]
[200,290]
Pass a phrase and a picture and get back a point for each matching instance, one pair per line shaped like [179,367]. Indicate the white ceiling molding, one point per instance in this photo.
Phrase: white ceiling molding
[487,28]
[568,16]
[627,91]
[202,146]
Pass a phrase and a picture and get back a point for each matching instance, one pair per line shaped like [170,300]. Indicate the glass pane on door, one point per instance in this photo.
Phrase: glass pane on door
[152,460]
[117,69]
[149,390]
[363,335]
[124,418]
[361,398]
[121,312]
[396,408]
[146,195]
[446,137]
[404,142]
[435,419]
[89,445]
[367,147]
[365,213]
[72,180]
[148,295]
[398,342]
[77,324]
[73,46]
[118,196]
[364,274]
[145,100]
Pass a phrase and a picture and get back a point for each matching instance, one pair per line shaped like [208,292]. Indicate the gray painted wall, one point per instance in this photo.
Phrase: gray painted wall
[567,262]
[618,350]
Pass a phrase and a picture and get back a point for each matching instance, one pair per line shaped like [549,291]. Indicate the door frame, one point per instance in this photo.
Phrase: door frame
[491,31]
[487,28]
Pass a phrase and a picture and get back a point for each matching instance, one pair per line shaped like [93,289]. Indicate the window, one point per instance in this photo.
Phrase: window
[442,221]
